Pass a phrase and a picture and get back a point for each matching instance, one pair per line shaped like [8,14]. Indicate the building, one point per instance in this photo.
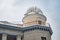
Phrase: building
[33,27]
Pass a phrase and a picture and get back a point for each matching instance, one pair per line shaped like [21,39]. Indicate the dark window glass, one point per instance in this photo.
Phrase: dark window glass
[11,37]
[0,36]
[39,22]
[43,38]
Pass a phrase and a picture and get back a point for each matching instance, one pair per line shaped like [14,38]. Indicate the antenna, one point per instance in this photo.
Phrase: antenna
[34,1]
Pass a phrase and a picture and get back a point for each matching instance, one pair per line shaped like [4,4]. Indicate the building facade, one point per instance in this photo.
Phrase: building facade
[33,27]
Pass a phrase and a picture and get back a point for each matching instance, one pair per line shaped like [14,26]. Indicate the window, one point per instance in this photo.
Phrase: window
[43,38]
[11,37]
[39,22]
[0,36]
[22,37]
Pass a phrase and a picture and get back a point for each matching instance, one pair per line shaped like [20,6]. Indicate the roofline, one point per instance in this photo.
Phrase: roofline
[25,29]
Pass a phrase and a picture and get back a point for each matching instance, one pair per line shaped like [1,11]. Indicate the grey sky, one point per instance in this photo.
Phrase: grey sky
[14,10]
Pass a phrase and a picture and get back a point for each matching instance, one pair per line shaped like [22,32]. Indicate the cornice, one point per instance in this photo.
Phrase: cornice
[25,29]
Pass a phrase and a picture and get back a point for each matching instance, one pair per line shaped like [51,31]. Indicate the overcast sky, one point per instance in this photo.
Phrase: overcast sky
[14,10]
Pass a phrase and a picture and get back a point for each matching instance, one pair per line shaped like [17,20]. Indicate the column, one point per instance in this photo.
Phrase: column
[4,36]
[18,37]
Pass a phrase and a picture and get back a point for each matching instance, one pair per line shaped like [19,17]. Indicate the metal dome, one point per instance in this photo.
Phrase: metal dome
[35,10]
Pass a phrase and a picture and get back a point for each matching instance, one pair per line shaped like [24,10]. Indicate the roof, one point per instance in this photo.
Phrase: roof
[11,24]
